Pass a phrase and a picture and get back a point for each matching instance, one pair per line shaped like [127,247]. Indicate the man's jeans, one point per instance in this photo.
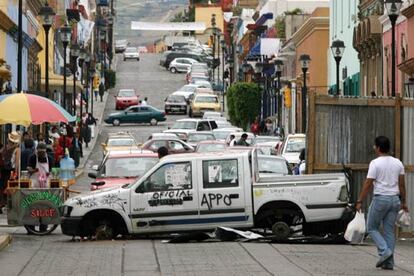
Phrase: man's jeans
[383,209]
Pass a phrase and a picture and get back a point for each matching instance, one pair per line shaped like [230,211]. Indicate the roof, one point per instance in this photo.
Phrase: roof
[131,153]
[204,155]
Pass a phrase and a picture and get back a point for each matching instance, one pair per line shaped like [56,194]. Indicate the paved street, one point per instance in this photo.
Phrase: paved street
[58,255]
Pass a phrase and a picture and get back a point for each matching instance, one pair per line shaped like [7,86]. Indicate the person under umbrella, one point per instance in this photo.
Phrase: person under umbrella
[39,166]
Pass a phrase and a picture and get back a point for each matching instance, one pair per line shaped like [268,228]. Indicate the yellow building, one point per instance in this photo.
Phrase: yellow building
[204,14]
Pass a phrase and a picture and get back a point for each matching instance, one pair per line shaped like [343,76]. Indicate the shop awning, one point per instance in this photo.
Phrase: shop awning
[56,83]
[263,18]
[254,52]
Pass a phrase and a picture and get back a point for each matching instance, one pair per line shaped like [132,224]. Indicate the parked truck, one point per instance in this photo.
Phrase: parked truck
[192,192]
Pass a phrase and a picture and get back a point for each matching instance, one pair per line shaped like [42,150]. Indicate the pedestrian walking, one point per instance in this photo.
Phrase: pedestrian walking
[144,102]
[85,135]
[101,91]
[301,166]
[95,92]
[91,123]
[386,178]
[29,150]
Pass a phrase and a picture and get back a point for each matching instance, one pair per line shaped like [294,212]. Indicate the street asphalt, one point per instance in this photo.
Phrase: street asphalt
[57,254]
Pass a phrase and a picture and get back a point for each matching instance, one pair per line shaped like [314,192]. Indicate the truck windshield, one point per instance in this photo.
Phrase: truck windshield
[127,167]
[295,144]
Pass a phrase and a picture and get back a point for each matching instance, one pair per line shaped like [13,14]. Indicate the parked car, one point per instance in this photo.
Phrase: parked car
[179,65]
[184,126]
[273,166]
[202,83]
[196,137]
[137,114]
[120,141]
[174,145]
[169,56]
[292,147]
[125,98]
[131,53]
[222,133]
[200,192]
[186,91]
[163,135]
[204,102]
[120,45]
[211,146]
[175,104]
[121,167]
[223,124]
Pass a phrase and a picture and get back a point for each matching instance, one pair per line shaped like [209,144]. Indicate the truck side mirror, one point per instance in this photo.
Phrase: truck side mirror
[92,175]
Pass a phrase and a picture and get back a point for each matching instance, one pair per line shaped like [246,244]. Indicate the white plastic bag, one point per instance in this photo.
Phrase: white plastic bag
[355,230]
[403,218]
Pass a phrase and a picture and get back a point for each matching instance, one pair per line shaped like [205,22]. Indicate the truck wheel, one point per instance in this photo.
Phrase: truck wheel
[281,231]
[105,231]
[41,230]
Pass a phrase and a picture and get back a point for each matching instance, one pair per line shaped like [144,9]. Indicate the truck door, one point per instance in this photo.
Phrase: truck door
[166,200]
[222,199]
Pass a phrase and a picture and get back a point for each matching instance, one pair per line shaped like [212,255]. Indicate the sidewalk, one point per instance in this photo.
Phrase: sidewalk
[98,112]
[5,240]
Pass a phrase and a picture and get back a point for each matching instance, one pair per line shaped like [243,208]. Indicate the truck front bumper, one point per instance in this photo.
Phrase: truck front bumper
[70,225]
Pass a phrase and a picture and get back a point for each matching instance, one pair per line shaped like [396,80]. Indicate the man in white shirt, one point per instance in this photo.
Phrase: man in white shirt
[386,176]
[144,102]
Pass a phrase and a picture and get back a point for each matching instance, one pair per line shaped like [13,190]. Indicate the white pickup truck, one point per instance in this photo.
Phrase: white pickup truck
[191,192]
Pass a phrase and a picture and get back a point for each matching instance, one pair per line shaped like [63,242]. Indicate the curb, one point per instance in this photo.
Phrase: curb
[5,240]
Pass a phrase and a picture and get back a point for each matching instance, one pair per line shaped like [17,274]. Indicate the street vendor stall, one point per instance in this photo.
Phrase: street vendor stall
[37,209]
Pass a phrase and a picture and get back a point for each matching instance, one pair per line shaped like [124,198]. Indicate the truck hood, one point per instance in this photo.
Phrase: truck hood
[112,182]
[115,197]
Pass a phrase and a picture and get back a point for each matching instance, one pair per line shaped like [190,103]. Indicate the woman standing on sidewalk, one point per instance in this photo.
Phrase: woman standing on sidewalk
[386,177]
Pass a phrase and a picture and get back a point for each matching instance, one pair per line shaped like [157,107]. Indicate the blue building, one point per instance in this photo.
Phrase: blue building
[343,19]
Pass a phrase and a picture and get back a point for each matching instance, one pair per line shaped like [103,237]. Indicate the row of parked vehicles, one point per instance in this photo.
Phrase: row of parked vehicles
[204,183]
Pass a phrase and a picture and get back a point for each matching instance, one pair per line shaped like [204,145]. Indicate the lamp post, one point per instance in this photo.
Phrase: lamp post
[102,37]
[91,77]
[393,9]
[217,61]
[74,54]
[88,92]
[65,33]
[278,69]
[223,48]
[246,69]
[82,57]
[338,48]
[258,69]
[304,62]
[213,26]
[110,20]
[47,14]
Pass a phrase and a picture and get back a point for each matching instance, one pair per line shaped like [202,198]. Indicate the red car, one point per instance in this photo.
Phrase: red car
[126,98]
[122,167]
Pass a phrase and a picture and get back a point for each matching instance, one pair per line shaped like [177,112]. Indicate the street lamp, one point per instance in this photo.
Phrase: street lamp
[223,49]
[338,48]
[65,33]
[217,61]
[91,76]
[86,80]
[304,62]
[74,53]
[393,9]
[47,14]
[213,26]
[409,88]
[278,69]
[82,58]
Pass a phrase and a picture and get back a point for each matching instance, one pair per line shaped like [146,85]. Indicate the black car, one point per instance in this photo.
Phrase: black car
[175,103]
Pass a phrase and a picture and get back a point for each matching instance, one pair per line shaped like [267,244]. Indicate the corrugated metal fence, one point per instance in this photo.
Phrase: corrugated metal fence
[342,131]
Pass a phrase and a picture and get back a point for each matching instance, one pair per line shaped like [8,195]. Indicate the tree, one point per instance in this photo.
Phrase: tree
[244,103]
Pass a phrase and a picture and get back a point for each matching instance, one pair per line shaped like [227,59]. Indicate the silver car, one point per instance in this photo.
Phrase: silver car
[181,65]
[131,53]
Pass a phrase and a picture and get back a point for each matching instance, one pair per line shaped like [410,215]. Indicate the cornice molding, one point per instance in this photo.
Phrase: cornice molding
[409,11]
[310,25]
[5,22]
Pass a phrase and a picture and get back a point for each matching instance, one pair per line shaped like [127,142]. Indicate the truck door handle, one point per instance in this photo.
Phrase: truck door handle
[233,196]
[188,198]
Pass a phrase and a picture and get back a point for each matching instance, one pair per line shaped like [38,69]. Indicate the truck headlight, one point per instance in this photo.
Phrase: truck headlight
[343,194]
[66,210]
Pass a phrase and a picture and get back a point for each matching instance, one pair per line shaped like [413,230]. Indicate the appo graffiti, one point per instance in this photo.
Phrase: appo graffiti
[170,198]
[215,200]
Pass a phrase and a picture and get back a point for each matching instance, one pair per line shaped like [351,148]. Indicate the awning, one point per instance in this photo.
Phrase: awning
[263,18]
[56,83]
[254,52]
